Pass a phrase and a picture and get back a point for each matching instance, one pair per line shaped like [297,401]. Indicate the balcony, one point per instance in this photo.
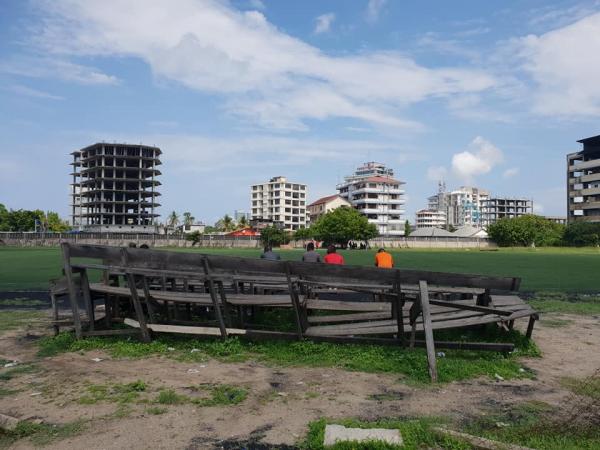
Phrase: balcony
[585,165]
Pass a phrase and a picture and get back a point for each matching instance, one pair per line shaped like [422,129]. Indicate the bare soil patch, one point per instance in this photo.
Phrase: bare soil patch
[280,402]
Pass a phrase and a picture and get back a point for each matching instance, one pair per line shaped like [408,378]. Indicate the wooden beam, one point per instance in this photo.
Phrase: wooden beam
[139,312]
[430,345]
[66,250]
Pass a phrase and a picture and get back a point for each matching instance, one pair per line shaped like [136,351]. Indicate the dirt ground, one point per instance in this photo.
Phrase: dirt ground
[281,401]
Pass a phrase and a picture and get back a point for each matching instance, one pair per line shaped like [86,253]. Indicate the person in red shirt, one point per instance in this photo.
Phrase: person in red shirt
[332,257]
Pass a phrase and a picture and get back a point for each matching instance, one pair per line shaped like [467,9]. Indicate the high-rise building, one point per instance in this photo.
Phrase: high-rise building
[374,191]
[462,206]
[496,208]
[281,202]
[583,182]
[115,188]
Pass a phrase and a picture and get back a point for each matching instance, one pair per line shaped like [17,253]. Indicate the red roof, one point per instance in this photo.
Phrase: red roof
[324,200]
[248,231]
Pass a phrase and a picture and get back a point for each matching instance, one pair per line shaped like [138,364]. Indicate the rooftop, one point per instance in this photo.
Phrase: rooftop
[324,199]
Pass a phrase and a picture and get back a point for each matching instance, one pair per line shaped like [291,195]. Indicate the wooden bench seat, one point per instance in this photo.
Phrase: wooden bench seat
[338,305]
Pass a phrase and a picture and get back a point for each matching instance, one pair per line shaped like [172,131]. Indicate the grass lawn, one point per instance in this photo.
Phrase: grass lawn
[542,269]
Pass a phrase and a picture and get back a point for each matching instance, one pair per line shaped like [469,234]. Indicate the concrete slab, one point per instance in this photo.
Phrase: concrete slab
[339,433]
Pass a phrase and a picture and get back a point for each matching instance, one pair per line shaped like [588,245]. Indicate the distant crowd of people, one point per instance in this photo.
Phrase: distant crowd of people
[383,259]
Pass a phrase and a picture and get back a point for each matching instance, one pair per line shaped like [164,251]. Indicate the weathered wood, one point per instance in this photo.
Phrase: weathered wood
[483,309]
[114,332]
[398,310]
[139,312]
[300,323]
[66,250]
[530,325]
[349,317]
[337,305]
[213,296]
[424,298]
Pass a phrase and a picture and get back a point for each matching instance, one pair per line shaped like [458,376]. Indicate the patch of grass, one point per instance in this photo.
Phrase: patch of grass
[11,320]
[410,363]
[156,410]
[15,371]
[555,322]
[221,395]
[589,387]
[311,394]
[415,433]
[4,392]
[530,424]
[170,397]
[560,302]
[22,301]
[113,393]
[41,434]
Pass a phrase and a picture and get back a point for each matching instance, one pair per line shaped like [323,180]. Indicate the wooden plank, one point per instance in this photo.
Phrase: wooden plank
[349,317]
[116,332]
[260,300]
[300,325]
[213,295]
[429,344]
[336,305]
[66,250]
[208,331]
[139,312]
[483,309]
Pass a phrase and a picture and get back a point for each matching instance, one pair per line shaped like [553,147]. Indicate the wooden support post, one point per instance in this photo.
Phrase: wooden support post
[139,312]
[530,325]
[400,310]
[415,311]
[424,294]
[301,324]
[147,296]
[55,326]
[87,298]
[226,311]
[72,289]
[215,301]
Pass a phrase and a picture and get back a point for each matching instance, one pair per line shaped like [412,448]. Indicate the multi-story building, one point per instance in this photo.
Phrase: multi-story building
[374,192]
[496,208]
[462,206]
[583,182]
[556,219]
[281,202]
[115,188]
[431,218]
[317,208]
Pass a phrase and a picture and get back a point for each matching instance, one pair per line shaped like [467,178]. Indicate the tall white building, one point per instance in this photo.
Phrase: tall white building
[462,206]
[430,218]
[280,201]
[373,190]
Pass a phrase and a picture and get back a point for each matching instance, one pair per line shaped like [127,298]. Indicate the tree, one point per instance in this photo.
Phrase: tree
[342,225]
[188,219]
[54,223]
[3,218]
[407,229]
[273,236]
[173,220]
[226,223]
[243,222]
[526,230]
[303,233]
[581,234]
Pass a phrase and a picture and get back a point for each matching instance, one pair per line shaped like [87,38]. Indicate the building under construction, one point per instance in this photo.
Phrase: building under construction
[114,188]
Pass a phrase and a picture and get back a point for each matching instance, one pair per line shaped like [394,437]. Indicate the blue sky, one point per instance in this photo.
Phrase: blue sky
[491,94]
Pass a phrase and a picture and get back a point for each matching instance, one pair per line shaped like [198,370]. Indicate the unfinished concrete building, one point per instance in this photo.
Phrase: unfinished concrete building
[583,182]
[495,208]
[114,188]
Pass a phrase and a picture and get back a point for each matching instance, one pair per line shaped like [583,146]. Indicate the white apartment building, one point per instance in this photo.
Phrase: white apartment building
[376,194]
[280,201]
[462,206]
[431,218]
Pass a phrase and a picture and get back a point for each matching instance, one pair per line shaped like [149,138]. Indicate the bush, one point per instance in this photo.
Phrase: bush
[581,234]
[525,231]
[273,236]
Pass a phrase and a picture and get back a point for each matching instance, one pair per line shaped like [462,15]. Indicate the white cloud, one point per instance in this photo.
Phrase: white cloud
[436,173]
[479,159]
[509,173]
[57,68]
[265,75]
[30,92]
[563,68]
[323,23]
[373,11]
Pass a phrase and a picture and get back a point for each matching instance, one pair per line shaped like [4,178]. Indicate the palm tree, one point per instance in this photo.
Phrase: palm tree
[227,223]
[188,219]
[173,220]
[243,222]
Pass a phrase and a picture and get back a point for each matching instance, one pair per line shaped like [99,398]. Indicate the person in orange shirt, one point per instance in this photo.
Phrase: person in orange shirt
[383,259]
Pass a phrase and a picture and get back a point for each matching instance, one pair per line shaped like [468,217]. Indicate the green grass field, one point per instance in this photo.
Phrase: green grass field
[542,269]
